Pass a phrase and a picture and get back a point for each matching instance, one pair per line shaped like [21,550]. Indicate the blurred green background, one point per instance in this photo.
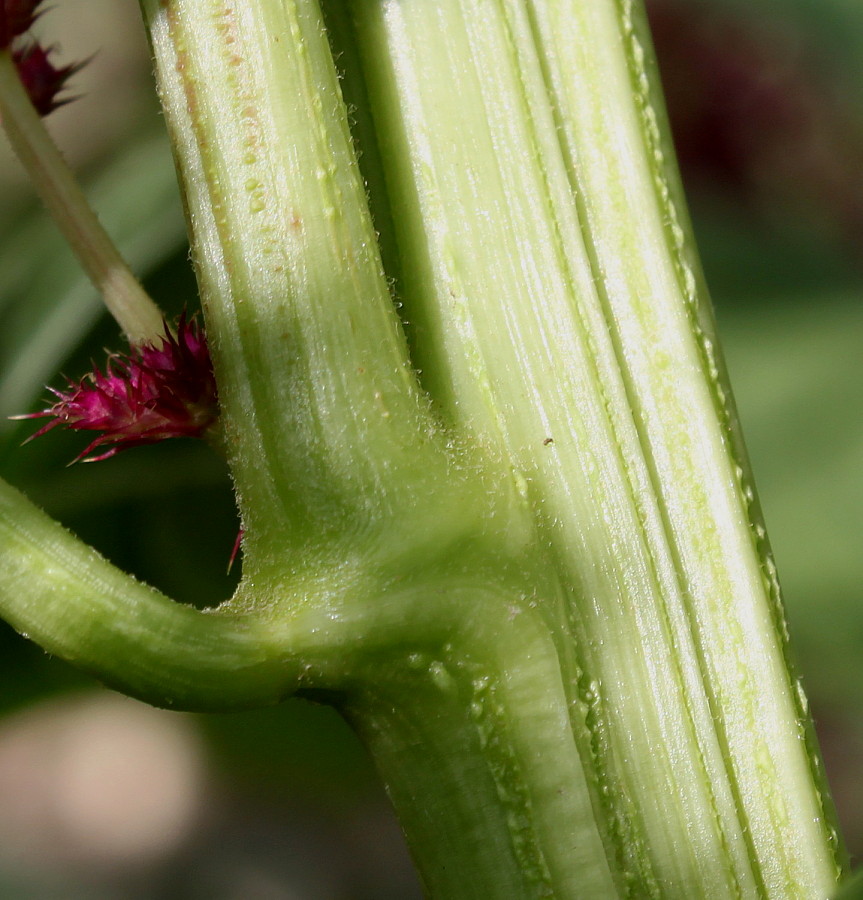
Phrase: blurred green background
[105,798]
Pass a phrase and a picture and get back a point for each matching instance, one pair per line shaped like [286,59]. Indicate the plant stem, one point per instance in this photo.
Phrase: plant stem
[556,294]
[538,590]
[319,400]
[140,319]
[76,605]
[658,312]
[477,749]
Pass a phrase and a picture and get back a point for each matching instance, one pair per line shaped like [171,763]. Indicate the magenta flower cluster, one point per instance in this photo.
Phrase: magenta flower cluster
[158,391]
[43,81]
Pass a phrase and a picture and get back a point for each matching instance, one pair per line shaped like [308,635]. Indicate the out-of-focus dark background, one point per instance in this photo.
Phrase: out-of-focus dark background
[103,797]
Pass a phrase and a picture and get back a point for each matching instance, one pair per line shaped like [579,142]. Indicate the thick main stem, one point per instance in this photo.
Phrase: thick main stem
[548,618]
[560,316]
[655,302]
[475,745]
[548,610]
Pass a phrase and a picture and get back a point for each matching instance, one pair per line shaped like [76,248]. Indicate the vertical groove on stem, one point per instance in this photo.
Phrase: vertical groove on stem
[666,603]
[315,366]
[664,335]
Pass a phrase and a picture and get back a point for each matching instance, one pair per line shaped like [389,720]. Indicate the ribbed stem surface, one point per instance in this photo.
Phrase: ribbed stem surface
[536,584]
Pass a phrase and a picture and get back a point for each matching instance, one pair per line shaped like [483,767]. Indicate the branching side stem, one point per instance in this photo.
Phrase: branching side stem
[140,318]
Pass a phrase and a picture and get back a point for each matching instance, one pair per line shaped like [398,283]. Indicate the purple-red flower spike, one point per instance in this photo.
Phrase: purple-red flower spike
[16,18]
[43,81]
[159,391]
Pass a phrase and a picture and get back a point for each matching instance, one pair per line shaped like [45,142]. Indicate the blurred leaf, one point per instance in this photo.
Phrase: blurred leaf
[798,377]
[837,24]
[852,889]
[750,265]
[297,749]
[46,303]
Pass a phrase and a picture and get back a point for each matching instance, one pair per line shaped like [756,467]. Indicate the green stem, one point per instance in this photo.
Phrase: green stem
[656,304]
[477,751]
[541,598]
[321,407]
[140,319]
[324,627]
[78,606]
[556,296]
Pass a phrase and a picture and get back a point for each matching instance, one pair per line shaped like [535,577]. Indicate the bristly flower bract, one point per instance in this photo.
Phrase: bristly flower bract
[43,81]
[158,391]
[17,18]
